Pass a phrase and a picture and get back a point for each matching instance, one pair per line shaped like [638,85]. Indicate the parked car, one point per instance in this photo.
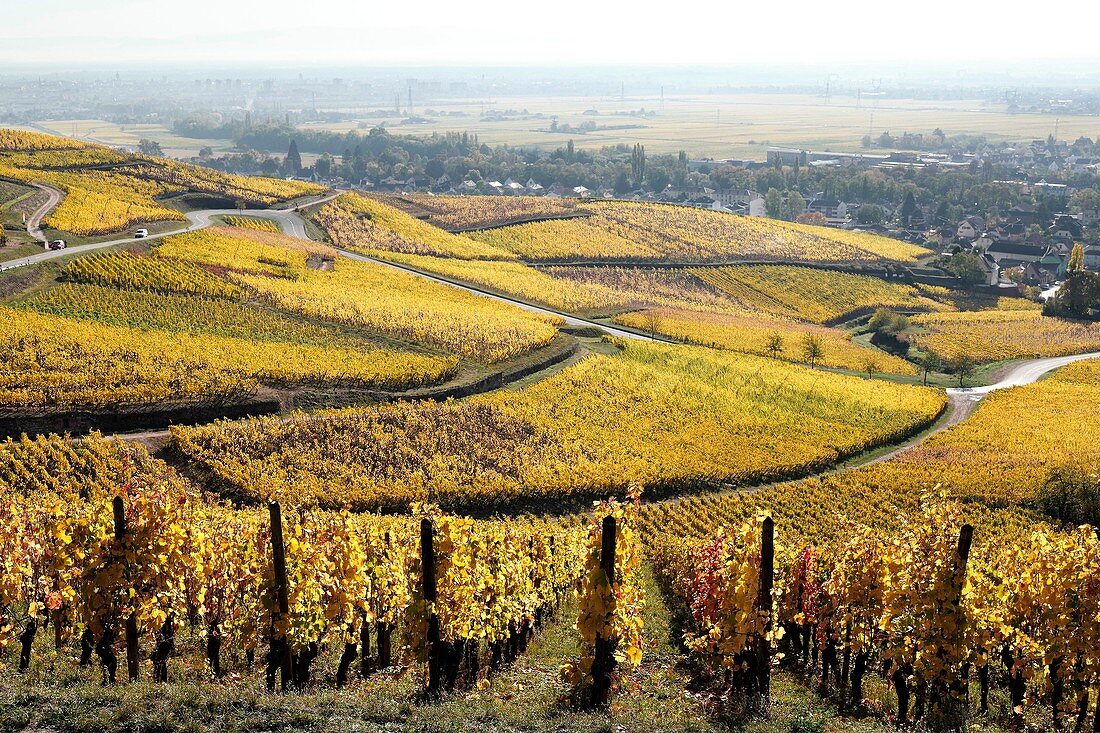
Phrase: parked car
[57,244]
[141,234]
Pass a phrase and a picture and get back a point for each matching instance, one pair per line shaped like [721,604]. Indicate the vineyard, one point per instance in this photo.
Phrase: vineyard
[461,213]
[871,575]
[718,534]
[671,418]
[54,364]
[123,553]
[586,290]
[367,225]
[997,462]
[1004,334]
[755,334]
[251,222]
[813,295]
[618,231]
[363,295]
[151,274]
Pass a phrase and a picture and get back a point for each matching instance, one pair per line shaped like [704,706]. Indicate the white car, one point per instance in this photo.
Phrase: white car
[57,244]
[141,234]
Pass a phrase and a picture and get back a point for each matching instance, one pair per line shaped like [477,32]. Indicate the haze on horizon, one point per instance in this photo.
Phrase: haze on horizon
[431,32]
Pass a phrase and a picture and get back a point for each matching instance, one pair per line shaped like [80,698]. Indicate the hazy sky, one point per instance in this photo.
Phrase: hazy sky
[526,32]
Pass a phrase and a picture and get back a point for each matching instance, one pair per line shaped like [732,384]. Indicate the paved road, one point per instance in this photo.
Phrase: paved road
[569,319]
[34,221]
[1024,373]
[287,219]
[965,399]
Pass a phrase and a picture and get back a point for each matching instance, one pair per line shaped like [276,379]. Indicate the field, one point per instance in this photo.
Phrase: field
[54,364]
[110,133]
[640,232]
[722,125]
[588,290]
[588,430]
[996,335]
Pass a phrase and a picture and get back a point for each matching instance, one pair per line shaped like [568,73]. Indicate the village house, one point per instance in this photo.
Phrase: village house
[970,228]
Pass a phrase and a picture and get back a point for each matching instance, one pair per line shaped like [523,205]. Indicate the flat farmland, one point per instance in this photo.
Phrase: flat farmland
[727,125]
[110,133]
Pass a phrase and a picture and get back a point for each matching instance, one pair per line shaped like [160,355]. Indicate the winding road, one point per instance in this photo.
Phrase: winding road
[963,400]
[287,219]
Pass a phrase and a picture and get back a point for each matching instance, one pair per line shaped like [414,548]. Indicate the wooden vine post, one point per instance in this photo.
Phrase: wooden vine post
[434,650]
[132,652]
[383,630]
[764,601]
[603,663]
[962,556]
[280,652]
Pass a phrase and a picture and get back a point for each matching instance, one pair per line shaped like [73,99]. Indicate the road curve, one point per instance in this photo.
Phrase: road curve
[1024,373]
[287,219]
[965,399]
[34,221]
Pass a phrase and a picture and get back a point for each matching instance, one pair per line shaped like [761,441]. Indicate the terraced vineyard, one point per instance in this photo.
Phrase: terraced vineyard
[619,231]
[462,213]
[364,295]
[1004,334]
[363,224]
[754,334]
[589,430]
[818,296]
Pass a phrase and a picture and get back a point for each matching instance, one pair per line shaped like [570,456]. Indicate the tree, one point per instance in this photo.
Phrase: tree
[887,323]
[871,365]
[775,345]
[812,349]
[293,163]
[324,165]
[773,204]
[930,363]
[206,152]
[637,163]
[622,184]
[796,205]
[149,147]
[909,208]
[434,168]
[813,218]
[1087,199]
[1076,260]
[963,366]
[1079,295]
[870,214]
[965,266]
